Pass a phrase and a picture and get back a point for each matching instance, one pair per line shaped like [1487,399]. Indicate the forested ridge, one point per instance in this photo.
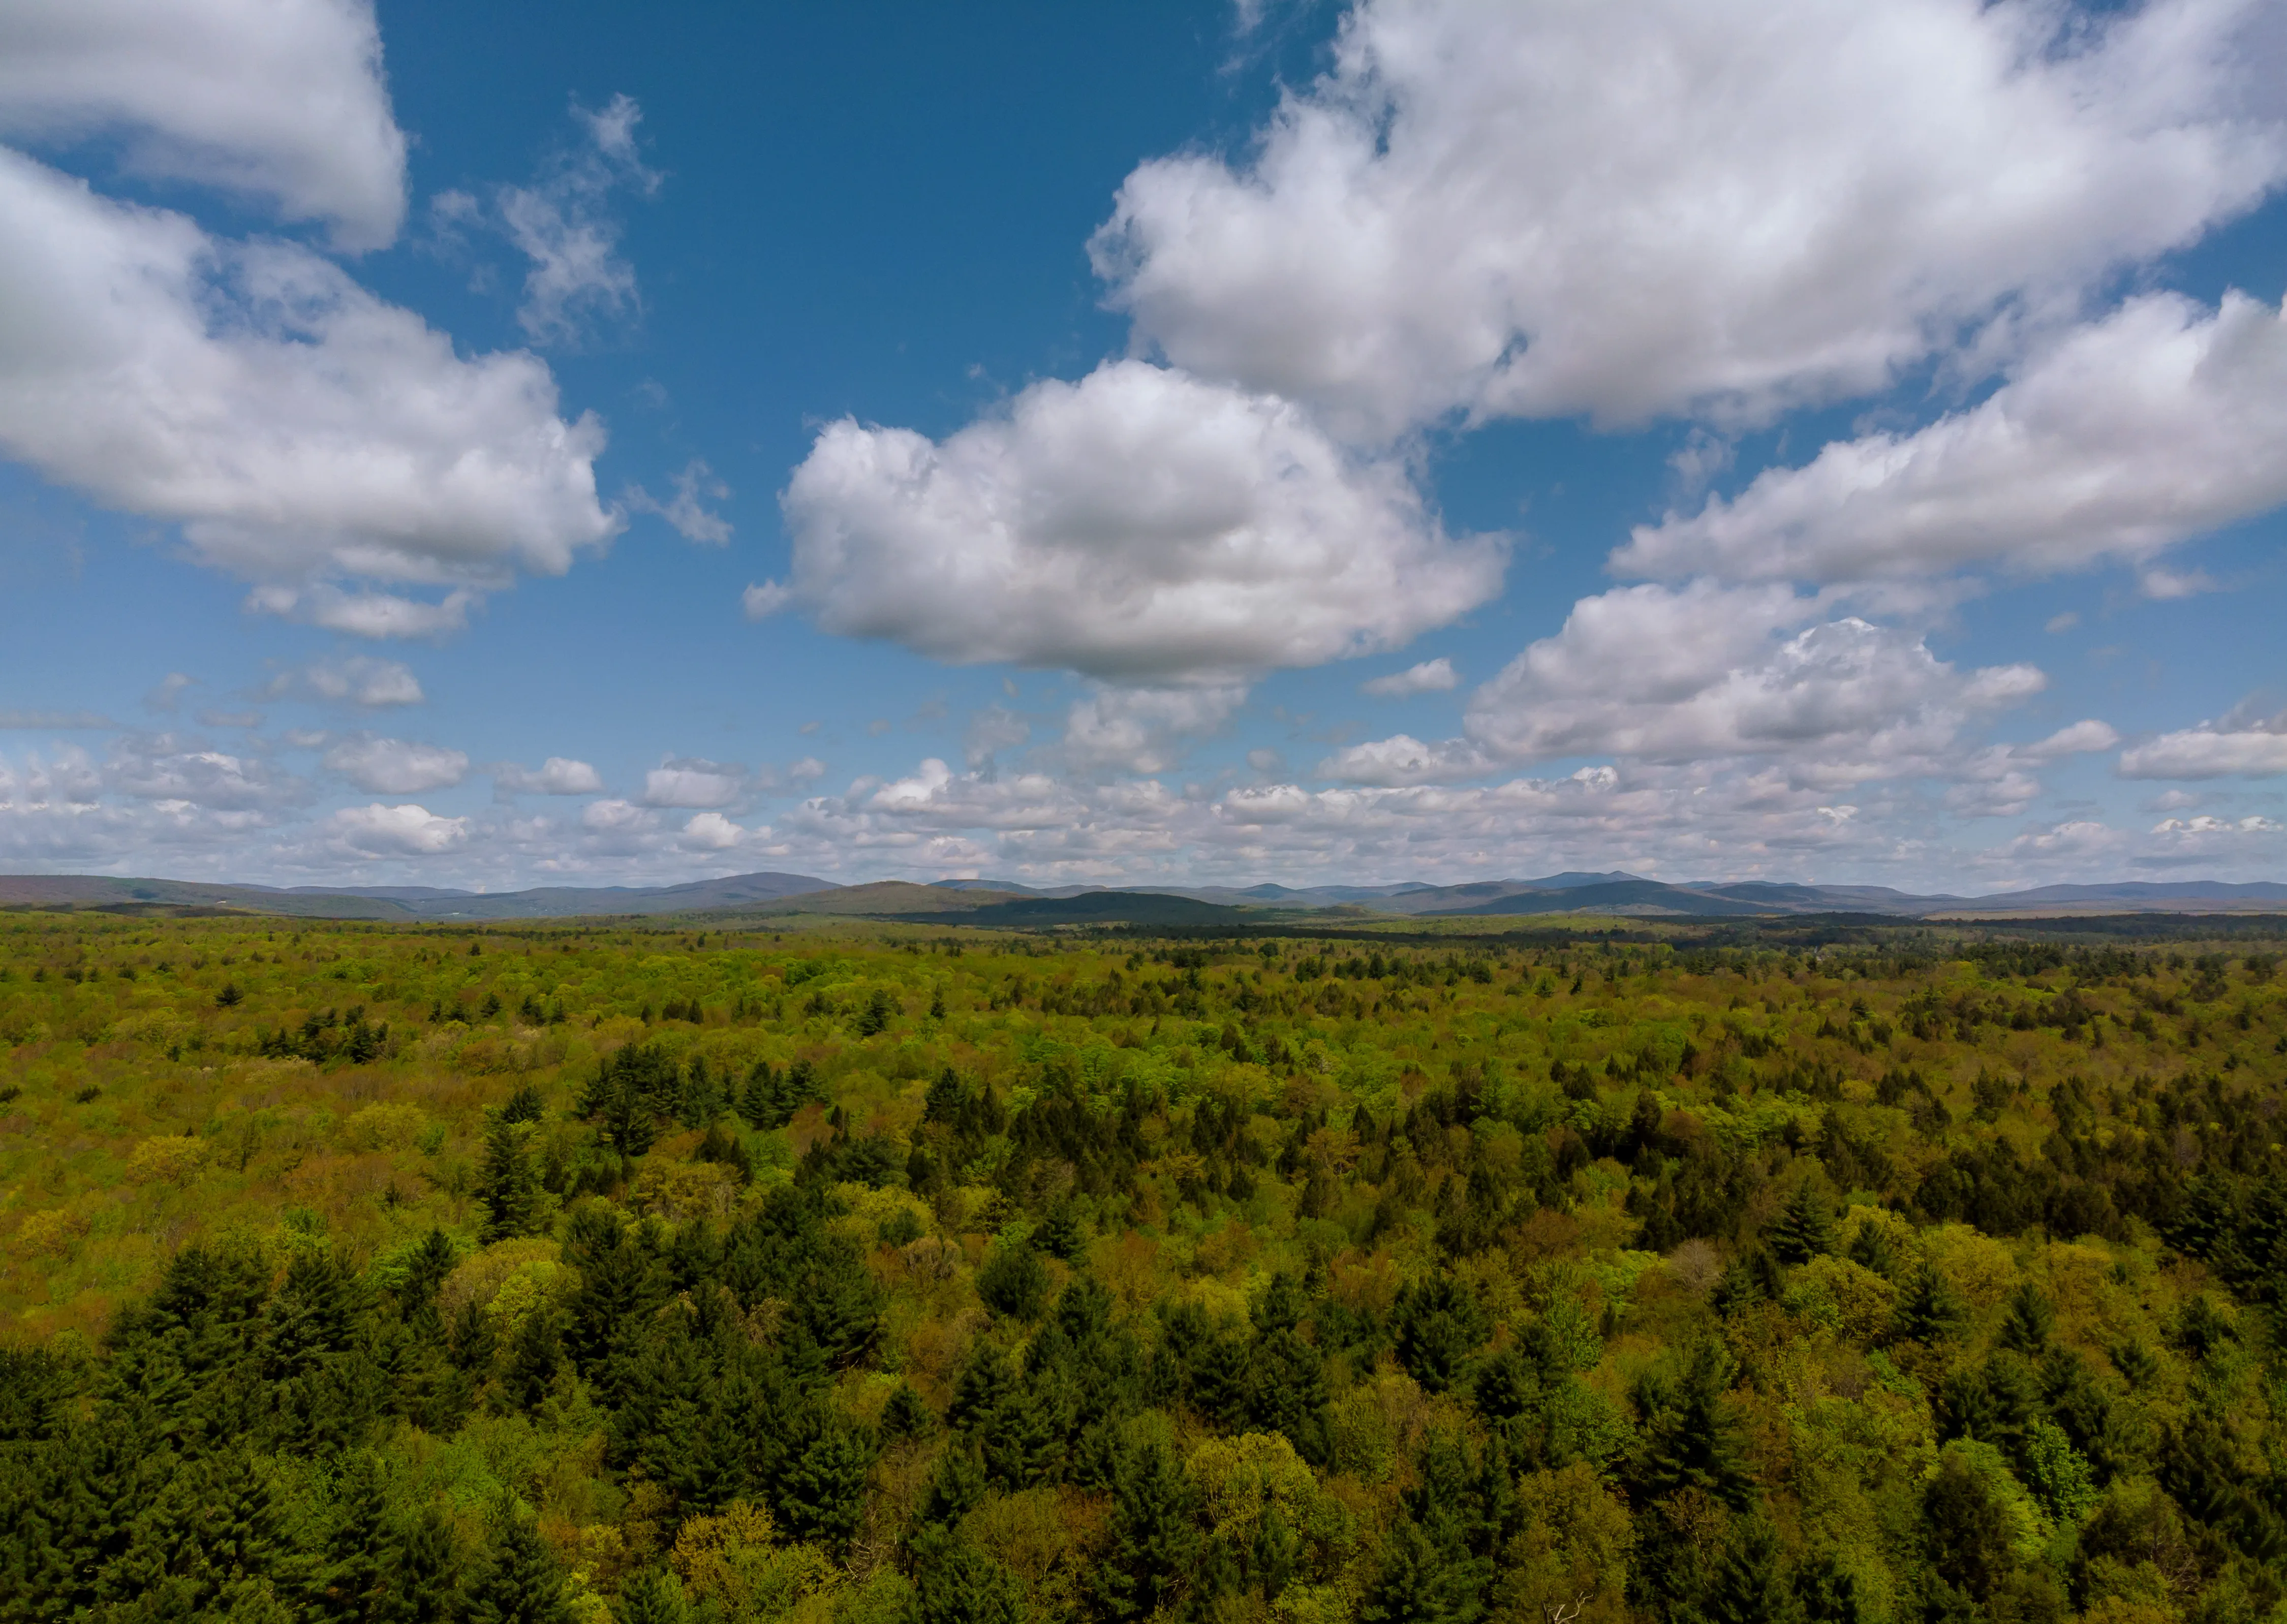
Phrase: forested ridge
[860,1275]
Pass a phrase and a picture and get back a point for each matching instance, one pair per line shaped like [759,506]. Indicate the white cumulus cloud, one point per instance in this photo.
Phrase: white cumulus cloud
[1136,525]
[360,680]
[1431,676]
[1548,209]
[396,766]
[1142,730]
[1710,672]
[377,831]
[2240,744]
[301,429]
[556,776]
[2157,423]
[282,100]
[693,783]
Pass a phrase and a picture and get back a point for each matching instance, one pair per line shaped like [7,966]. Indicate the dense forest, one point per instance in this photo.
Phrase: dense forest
[875,1274]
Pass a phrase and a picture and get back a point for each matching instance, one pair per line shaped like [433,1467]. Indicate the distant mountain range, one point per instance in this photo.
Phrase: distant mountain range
[1000,901]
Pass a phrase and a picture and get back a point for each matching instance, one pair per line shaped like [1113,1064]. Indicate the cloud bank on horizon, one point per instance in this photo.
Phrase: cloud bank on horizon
[1939,320]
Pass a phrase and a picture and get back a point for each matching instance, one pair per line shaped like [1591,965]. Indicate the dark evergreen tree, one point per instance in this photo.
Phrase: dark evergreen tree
[1966,1526]
[1438,1324]
[956,1583]
[1286,1392]
[425,1271]
[653,1596]
[1420,1584]
[1804,1228]
[1752,1277]
[1013,1282]
[1061,1235]
[1872,1247]
[1689,1439]
[355,1560]
[703,1096]
[1748,1585]
[421,1579]
[2031,1319]
[1929,1310]
[906,1415]
[534,1354]
[508,1182]
[956,1487]
[1153,1557]
[1826,1592]
[821,1495]
[519,1582]
[1222,1384]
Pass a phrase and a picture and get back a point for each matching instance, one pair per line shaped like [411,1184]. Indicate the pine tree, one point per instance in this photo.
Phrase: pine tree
[1804,1228]
[1826,1592]
[356,1557]
[822,1493]
[1155,1541]
[906,1415]
[1872,1247]
[1439,1324]
[1286,1392]
[1748,1586]
[956,1583]
[2031,1317]
[1689,1439]
[425,1271]
[533,1353]
[954,1488]
[1752,1277]
[1220,1384]
[1061,1235]
[520,1583]
[653,1597]
[1930,1310]
[758,1103]
[509,1182]
[1013,1282]
[1420,1584]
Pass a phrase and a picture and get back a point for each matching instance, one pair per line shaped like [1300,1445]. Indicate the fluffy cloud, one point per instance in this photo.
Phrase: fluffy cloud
[2236,745]
[557,775]
[1649,673]
[396,766]
[1404,759]
[687,511]
[323,445]
[1998,782]
[360,680]
[2218,825]
[283,102]
[1137,526]
[1431,676]
[393,831]
[1138,730]
[1550,210]
[693,783]
[563,225]
[166,767]
[2157,423]
[710,832]
[299,427]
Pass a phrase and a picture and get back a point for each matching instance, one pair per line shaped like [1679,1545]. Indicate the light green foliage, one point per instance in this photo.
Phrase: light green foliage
[884,1275]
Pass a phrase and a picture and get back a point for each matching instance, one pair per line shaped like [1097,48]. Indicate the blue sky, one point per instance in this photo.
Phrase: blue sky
[1412,440]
